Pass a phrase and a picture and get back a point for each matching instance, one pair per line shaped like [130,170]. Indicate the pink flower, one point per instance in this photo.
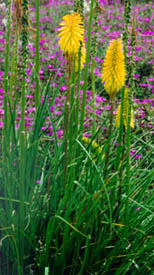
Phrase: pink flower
[63,88]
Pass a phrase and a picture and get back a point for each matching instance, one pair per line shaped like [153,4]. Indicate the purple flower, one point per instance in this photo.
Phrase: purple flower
[137,156]
[132,152]
[63,88]
[100,99]
[143,84]
[27,124]
[51,109]
[150,79]
[60,133]
[1,124]
[59,74]
[136,75]
[43,128]
[87,135]
[108,107]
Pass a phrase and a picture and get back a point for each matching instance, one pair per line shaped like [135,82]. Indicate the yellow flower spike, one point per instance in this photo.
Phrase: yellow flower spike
[113,72]
[71,34]
[126,106]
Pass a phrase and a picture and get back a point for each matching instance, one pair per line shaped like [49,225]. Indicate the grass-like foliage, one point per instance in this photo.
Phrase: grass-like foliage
[76,182]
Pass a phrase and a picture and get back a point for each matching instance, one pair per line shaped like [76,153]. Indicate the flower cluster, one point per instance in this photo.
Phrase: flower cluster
[71,36]
[71,33]
[113,72]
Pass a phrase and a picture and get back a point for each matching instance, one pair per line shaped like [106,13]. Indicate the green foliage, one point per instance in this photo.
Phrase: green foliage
[101,220]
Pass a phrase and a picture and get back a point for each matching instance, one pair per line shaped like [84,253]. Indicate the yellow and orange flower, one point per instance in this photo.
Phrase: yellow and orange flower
[113,72]
[71,34]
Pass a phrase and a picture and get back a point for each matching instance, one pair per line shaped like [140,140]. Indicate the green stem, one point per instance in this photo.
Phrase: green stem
[72,112]
[108,143]
[127,10]
[120,168]
[16,66]
[93,92]
[6,77]
[37,59]
[94,42]
[85,256]
[78,95]
[128,142]
[13,77]
[128,139]
[121,131]
[66,127]
[120,155]
[86,68]
[24,39]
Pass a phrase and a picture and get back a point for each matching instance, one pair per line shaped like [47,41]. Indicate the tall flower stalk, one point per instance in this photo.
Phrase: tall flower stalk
[79,7]
[128,138]
[125,123]
[18,13]
[86,68]
[24,39]
[127,10]
[6,74]
[79,62]
[123,113]
[94,44]
[113,77]
[17,18]
[37,58]
[72,44]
